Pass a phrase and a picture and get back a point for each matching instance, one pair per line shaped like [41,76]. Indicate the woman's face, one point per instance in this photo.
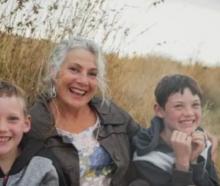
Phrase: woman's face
[76,82]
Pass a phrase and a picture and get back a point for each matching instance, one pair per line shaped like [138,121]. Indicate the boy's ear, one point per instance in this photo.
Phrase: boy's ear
[158,110]
[27,124]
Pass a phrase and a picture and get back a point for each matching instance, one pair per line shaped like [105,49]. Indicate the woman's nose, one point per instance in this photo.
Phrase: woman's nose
[82,78]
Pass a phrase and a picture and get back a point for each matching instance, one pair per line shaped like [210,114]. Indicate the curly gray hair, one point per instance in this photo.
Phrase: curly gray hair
[59,53]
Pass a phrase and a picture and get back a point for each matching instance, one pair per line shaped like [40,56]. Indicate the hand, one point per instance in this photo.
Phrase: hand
[199,139]
[181,144]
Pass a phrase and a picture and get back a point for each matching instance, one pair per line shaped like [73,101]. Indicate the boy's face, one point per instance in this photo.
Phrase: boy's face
[182,112]
[13,124]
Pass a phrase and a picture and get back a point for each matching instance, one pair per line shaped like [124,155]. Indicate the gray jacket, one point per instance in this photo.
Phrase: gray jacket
[115,133]
[33,167]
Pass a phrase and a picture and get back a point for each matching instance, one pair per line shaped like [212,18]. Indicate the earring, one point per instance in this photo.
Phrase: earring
[53,91]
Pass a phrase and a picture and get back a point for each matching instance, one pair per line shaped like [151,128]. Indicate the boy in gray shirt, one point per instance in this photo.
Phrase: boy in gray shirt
[23,161]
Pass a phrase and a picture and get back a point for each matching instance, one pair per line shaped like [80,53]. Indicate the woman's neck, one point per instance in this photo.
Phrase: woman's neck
[73,120]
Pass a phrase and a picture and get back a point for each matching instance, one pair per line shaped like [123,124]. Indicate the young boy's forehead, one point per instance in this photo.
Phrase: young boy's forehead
[181,90]
[186,91]
[18,99]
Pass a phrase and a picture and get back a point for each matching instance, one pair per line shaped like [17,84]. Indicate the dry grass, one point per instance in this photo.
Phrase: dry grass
[23,61]
[131,80]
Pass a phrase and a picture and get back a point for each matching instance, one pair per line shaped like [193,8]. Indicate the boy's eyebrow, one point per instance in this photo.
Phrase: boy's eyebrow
[197,98]
[181,101]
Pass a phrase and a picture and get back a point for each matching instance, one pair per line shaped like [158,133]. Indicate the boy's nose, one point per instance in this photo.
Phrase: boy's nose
[3,126]
[188,111]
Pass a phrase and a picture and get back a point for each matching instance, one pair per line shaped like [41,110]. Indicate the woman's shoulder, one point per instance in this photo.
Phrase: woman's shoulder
[39,110]
[107,106]
[109,109]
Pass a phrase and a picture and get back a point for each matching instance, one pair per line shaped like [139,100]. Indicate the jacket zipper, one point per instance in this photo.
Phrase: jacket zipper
[5,180]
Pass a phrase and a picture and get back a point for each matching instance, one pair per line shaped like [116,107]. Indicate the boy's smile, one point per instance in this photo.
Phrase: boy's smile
[13,124]
[182,112]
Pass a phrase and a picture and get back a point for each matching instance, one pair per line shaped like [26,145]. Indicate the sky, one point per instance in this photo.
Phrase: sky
[186,30]
[181,29]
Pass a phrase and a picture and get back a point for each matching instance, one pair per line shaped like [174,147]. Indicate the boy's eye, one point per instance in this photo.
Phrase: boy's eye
[196,105]
[178,106]
[13,118]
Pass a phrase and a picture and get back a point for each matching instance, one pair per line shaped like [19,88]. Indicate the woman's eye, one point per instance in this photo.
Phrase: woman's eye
[73,69]
[94,74]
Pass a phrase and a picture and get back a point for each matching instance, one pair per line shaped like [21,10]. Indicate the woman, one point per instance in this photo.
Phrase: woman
[90,136]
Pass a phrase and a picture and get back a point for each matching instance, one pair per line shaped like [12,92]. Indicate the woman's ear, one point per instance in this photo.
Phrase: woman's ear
[158,110]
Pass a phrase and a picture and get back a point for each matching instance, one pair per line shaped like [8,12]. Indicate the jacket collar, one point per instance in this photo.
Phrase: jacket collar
[148,138]
[27,152]
[108,112]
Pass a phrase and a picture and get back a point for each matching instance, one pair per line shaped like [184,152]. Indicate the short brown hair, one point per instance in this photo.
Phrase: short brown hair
[9,89]
[175,83]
